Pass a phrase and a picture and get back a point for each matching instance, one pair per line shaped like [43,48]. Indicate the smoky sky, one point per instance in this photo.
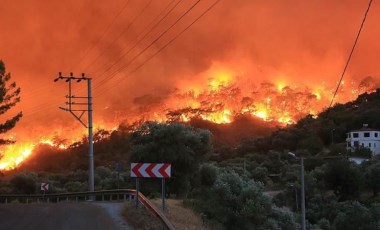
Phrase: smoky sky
[298,42]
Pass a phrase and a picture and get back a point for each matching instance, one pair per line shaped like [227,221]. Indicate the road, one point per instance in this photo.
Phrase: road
[62,216]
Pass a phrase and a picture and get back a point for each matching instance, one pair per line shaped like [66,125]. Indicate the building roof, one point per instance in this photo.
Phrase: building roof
[364,129]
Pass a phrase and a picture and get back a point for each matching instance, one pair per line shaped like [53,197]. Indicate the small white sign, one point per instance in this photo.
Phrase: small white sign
[44,186]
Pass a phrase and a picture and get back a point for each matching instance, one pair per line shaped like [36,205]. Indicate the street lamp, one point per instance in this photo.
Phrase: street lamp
[303,209]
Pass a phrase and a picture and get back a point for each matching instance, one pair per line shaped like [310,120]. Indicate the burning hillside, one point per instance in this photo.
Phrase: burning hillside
[221,101]
[175,60]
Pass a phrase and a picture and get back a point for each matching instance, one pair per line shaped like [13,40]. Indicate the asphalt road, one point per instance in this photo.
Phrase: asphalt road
[61,216]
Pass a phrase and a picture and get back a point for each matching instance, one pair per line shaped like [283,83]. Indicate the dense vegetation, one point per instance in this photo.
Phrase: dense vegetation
[253,184]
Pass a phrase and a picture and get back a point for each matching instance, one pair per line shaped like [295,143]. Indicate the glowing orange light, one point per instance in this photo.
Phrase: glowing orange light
[318,95]
[285,120]
[261,114]
[222,117]
[280,87]
[220,78]
[14,155]
[219,101]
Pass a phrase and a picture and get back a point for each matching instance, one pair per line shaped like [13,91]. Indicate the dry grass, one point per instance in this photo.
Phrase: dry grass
[140,218]
[182,218]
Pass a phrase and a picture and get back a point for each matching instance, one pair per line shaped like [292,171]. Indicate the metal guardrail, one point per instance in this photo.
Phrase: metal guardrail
[120,194]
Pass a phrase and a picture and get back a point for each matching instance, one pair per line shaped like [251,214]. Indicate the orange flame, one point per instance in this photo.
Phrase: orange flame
[14,155]
[220,100]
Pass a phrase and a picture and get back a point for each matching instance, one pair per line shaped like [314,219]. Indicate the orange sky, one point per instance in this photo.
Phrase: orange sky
[296,42]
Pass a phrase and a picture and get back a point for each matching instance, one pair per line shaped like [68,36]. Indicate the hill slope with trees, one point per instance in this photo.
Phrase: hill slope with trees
[229,182]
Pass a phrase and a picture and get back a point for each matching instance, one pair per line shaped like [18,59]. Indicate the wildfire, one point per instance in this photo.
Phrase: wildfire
[222,117]
[261,114]
[51,143]
[14,155]
[219,100]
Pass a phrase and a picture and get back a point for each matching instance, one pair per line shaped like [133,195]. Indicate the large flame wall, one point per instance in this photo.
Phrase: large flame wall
[276,60]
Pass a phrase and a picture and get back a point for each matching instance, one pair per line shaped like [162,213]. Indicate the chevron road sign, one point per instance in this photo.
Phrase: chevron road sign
[44,186]
[152,170]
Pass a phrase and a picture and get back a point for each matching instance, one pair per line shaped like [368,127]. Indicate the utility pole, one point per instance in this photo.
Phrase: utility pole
[303,209]
[75,106]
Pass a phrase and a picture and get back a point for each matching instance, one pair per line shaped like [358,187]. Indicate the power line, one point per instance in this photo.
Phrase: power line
[38,91]
[103,34]
[349,57]
[173,39]
[153,42]
[145,35]
[141,12]
[120,34]
[41,107]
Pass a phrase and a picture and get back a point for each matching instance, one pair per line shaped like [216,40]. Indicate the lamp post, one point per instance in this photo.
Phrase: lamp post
[303,208]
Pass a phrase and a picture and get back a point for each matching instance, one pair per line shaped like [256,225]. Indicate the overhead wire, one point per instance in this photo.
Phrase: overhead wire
[175,37]
[41,107]
[112,75]
[148,31]
[169,42]
[119,36]
[350,55]
[108,27]
[95,44]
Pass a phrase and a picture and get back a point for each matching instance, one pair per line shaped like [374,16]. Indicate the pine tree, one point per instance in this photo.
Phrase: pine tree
[9,97]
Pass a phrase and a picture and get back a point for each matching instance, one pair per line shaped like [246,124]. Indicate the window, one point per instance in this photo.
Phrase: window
[356,144]
[369,145]
[362,145]
[375,134]
[366,135]
[355,135]
[374,145]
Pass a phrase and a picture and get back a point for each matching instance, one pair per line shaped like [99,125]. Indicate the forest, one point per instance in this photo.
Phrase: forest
[235,176]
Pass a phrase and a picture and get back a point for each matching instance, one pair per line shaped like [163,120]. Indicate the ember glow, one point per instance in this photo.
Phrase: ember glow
[269,59]
[14,155]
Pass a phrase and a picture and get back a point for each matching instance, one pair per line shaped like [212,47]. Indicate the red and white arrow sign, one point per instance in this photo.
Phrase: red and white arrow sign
[155,170]
[44,186]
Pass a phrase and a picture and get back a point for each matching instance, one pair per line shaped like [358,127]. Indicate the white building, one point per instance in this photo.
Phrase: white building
[364,137]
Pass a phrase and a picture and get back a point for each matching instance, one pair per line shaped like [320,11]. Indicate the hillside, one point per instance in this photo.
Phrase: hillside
[112,147]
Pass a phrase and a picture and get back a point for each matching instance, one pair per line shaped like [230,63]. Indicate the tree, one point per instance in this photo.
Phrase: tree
[373,177]
[9,97]
[344,178]
[208,174]
[24,183]
[236,203]
[354,215]
[281,218]
[312,143]
[181,145]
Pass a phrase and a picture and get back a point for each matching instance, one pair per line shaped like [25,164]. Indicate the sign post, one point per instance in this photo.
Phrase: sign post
[118,168]
[137,192]
[163,194]
[151,170]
